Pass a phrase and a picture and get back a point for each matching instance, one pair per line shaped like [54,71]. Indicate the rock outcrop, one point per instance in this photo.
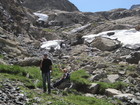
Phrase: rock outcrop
[63,5]
[135,6]
[105,44]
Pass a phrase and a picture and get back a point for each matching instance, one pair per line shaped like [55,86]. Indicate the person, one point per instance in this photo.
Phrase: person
[66,76]
[46,67]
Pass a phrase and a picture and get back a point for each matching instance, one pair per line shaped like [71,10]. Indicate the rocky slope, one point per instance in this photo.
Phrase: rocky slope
[104,60]
[44,5]
[135,7]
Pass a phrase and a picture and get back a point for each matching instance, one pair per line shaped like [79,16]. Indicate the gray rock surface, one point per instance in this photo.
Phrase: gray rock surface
[112,92]
[10,94]
[135,6]
[36,5]
[105,44]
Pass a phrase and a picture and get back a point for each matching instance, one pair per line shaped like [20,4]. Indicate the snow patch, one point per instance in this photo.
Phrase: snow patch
[52,43]
[126,37]
[42,17]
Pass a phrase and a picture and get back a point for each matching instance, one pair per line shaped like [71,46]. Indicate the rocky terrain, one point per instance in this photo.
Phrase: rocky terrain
[43,5]
[113,69]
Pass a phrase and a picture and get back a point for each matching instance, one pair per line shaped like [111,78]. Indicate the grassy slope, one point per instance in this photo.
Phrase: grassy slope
[29,77]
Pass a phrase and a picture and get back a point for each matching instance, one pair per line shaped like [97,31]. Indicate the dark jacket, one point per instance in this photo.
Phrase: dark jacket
[46,65]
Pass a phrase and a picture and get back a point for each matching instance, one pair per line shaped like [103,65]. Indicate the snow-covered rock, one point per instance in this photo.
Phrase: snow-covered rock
[52,43]
[129,38]
[42,17]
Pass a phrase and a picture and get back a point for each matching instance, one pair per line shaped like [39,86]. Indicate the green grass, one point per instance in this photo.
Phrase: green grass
[70,99]
[48,30]
[1,56]
[116,85]
[82,100]
[128,67]
[80,77]
[30,73]
[27,82]
[57,72]
[131,67]
[28,76]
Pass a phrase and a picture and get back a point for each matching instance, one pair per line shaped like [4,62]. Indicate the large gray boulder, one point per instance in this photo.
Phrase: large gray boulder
[64,18]
[133,58]
[105,44]
[112,92]
[30,61]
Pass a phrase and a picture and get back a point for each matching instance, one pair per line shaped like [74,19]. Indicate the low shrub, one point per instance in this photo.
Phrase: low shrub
[80,77]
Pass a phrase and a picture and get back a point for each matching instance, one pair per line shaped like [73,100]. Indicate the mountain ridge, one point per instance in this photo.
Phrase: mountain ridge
[36,5]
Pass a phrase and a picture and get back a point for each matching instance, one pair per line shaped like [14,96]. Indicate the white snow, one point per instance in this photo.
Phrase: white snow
[42,17]
[126,37]
[52,43]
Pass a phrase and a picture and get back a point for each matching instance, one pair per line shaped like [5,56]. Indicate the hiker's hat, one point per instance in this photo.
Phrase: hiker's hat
[46,54]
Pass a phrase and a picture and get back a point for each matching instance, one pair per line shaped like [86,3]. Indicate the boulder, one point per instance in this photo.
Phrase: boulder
[65,84]
[94,87]
[78,49]
[2,62]
[133,58]
[135,101]
[137,27]
[30,61]
[97,77]
[124,96]
[112,92]
[12,50]
[113,77]
[101,65]
[105,44]
[8,42]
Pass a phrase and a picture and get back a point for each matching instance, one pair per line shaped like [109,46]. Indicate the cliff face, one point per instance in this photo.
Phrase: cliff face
[36,5]
[135,6]
[13,15]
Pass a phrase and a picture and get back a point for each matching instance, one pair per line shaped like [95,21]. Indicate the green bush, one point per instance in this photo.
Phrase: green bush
[80,77]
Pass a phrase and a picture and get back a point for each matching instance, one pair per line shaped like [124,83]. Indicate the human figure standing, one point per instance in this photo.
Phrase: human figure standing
[46,67]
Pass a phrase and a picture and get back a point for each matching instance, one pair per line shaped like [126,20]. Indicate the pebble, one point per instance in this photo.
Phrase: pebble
[10,94]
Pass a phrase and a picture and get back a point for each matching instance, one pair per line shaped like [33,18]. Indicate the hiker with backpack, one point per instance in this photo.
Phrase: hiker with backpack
[46,67]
